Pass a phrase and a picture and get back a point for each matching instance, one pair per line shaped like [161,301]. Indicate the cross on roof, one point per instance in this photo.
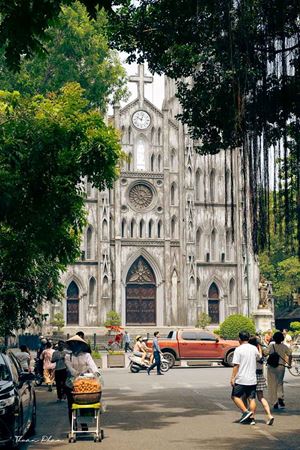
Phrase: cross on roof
[141,79]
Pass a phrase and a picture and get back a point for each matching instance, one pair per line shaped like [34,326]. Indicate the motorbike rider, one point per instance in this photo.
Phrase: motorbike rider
[138,349]
[148,350]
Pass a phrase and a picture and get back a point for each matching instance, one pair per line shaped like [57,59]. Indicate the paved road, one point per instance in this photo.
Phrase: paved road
[188,408]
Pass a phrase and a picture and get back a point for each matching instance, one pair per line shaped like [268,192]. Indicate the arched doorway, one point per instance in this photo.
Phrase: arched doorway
[140,294]
[214,303]
[73,304]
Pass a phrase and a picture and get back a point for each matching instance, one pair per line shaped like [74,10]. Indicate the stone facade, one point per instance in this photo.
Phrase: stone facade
[159,247]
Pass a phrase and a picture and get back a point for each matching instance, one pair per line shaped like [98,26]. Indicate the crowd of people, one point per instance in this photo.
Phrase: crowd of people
[259,364]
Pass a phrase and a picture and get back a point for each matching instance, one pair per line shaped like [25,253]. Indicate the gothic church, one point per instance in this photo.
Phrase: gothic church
[159,247]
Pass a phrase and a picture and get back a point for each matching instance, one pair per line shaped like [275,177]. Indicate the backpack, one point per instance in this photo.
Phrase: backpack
[273,359]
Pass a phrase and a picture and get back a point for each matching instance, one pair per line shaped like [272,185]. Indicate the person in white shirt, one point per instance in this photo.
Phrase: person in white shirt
[24,358]
[243,379]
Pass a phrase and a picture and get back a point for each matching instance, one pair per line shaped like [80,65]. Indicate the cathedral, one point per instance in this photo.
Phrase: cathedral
[161,247]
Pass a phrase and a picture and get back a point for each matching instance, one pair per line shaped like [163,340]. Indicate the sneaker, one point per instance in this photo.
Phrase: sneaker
[252,422]
[50,388]
[148,371]
[270,421]
[275,406]
[281,404]
[245,416]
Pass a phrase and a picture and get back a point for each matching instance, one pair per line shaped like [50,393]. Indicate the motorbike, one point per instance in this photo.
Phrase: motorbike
[136,364]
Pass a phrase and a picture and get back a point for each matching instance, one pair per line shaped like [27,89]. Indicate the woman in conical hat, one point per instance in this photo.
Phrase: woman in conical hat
[78,362]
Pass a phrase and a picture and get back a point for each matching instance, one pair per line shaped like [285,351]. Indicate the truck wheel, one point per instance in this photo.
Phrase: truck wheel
[170,358]
[228,360]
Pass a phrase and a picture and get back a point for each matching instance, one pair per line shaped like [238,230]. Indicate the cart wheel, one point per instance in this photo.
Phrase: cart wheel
[102,434]
[97,439]
[71,440]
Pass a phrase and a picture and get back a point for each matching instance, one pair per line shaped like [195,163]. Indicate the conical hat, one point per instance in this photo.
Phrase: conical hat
[76,338]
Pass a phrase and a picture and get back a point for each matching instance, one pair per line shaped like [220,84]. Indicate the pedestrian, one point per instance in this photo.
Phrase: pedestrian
[78,362]
[288,340]
[243,379]
[261,381]
[24,358]
[82,336]
[156,352]
[268,336]
[127,342]
[58,358]
[280,356]
[48,366]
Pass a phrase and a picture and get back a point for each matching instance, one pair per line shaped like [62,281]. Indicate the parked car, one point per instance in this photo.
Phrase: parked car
[17,402]
[196,344]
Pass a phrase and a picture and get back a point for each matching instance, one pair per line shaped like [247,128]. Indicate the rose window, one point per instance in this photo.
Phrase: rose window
[140,196]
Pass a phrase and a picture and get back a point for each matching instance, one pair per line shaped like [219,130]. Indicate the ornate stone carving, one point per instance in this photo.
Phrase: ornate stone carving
[140,196]
[265,293]
[141,273]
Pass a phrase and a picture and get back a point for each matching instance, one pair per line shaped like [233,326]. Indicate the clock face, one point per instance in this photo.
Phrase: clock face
[141,120]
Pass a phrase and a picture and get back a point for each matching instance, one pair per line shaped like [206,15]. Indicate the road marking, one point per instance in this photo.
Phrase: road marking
[268,435]
[221,406]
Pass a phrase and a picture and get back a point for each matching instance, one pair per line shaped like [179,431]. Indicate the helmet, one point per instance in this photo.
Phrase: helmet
[144,338]
[44,341]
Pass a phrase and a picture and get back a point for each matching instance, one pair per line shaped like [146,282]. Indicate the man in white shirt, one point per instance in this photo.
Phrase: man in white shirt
[243,379]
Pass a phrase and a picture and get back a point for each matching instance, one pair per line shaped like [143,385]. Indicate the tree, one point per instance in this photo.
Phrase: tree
[76,49]
[113,320]
[48,145]
[232,325]
[203,320]
[58,321]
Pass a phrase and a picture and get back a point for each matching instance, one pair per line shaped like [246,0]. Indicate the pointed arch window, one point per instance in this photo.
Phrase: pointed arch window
[92,291]
[159,229]
[123,231]
[89,243]
[159,163]
[141,230]
[73,304]
[214,303]
[152,162]
[228,185]
[198,184]
[189,177]
[173,194]
[159,136]
[129,135]
[141,147]
[123,140]
[150,228]
[152,134]
[212,185]
[213,249]
[132,228]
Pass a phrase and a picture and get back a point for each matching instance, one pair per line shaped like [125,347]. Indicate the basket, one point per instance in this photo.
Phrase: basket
[84,398]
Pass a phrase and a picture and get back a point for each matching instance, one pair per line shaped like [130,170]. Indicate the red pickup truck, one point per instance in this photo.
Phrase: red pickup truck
[196,344]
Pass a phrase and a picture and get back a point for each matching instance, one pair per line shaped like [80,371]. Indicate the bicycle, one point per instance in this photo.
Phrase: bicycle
[294,369]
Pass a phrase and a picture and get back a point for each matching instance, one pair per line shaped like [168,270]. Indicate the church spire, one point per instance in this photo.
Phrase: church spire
[141,79]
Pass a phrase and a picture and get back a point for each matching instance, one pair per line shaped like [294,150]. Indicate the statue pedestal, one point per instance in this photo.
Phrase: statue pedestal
[263,319]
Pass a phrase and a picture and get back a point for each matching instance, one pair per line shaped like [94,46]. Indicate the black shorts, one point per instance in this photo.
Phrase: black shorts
[241,390]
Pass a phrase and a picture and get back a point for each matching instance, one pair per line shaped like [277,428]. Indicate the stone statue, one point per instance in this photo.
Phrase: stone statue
[265,293]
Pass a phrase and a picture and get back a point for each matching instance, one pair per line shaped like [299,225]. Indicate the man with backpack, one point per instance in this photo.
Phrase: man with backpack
[280,356]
